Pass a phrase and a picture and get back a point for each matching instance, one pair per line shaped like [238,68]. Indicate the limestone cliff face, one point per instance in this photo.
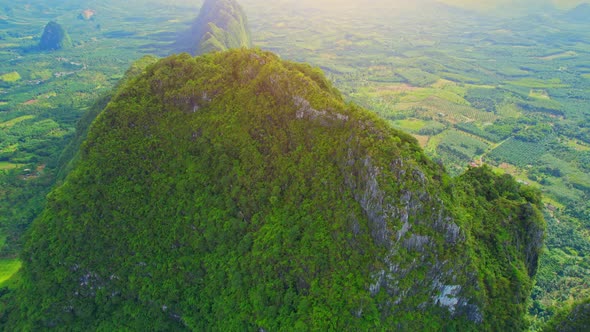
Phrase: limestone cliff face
[420,266]
[236,191]
[220,26]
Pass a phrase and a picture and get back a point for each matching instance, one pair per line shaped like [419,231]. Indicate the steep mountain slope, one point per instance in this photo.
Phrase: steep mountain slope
[236,191]
[572,319]
[70,154]
[220,26]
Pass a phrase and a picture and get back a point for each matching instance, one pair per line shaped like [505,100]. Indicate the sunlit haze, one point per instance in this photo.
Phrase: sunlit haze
[294,165]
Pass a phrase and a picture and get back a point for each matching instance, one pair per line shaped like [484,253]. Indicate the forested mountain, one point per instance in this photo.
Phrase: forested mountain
[221,25]
[498,83]
[237,191]
[70,154]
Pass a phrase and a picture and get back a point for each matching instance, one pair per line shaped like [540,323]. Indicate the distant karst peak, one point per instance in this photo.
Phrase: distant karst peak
[220,26]
[54,37]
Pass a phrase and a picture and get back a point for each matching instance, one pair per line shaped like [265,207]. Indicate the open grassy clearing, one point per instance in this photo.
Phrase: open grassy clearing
[539,94]
[422,140]
[8,267]
[11,123]
[10,77]
[5,165]
[421,94]
[464,143]
[577,145]
[508,110]
[412,125]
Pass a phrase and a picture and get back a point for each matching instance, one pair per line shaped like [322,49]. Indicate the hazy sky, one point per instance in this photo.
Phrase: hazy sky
[504,5]
[479,4]
[492,7]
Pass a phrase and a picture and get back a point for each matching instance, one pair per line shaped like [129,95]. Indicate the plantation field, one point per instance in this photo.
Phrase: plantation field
[519,153]
[440,91]
[478,130]
[458,149]
[445,111]
[573,175]
[539,84]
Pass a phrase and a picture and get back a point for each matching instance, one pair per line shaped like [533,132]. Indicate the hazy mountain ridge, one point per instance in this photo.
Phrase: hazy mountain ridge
[221,25]
[580,14]
[245,188]
[515,8]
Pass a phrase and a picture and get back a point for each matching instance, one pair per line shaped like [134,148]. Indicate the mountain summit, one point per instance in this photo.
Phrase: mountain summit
[220,26]
[235,191]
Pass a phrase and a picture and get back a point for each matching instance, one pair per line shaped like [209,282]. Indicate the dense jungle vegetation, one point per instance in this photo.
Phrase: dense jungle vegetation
[510,93]
[249,195]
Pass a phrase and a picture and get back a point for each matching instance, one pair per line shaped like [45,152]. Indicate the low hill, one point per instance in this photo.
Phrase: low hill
[54,38]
